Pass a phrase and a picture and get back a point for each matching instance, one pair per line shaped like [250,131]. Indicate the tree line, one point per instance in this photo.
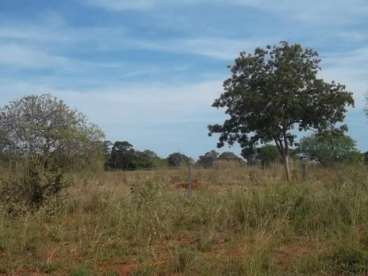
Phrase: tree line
[327,149]
[122,155]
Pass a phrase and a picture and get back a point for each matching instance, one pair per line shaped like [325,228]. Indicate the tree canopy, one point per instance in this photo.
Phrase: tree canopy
[330,147]
[178,159]
[44,126]
[123,156]
[273,92]
[229,156]
[207,160]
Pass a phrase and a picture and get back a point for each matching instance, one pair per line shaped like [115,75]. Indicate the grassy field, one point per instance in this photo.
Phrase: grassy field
[239,221]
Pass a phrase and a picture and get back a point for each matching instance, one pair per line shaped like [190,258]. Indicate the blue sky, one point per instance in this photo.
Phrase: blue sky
[147,71]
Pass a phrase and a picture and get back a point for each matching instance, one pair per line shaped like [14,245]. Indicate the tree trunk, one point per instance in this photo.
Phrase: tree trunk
[283,146]
[287,167]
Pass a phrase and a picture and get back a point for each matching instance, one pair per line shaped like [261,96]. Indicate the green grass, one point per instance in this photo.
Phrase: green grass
[238,222]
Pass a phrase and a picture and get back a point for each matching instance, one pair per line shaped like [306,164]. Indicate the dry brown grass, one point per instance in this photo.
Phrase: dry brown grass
[240,221]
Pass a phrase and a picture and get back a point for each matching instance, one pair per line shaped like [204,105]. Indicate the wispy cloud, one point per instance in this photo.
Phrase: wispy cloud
[350,69]
[15,55]
[28,38]
[330,12]
[121,102]
[141,104]
[353,36]
[169,112]
[123,5]
[158,69]
[214,47]
[314,11]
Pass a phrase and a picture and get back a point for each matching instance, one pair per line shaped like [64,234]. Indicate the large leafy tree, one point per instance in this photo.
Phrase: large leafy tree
[43,126]
[273,92]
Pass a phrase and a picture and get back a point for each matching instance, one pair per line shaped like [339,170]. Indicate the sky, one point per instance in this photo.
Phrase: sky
[147,71]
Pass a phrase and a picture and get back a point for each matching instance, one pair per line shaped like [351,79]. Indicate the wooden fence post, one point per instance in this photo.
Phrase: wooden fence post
[304,170]
[190,180]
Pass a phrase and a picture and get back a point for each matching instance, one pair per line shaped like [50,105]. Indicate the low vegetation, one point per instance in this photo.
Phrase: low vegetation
[238,222]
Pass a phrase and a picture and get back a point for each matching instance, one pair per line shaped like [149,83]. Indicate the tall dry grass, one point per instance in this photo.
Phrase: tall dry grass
[239,221]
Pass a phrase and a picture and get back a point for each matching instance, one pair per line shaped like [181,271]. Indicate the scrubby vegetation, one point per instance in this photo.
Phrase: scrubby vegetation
[238,222]
[41,141]
[74,204]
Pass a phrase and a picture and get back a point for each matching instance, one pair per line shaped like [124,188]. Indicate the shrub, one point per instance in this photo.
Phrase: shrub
[349,260]
[32,188]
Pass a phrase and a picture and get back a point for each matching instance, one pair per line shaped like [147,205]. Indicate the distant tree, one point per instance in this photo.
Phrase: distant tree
[274,91]
[178,159]
[149,159]
[268,154]
[229,156]
[155,160]
[150,154]
[122,156]
[207,160]
[142,160]
[330,147]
